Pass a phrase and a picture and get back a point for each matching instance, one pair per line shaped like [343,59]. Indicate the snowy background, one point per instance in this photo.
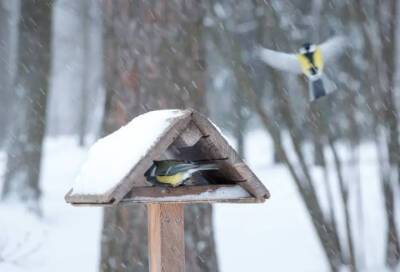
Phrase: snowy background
[276,235]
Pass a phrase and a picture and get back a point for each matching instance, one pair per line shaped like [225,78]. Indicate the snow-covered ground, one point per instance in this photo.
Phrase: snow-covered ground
[278,236]
[67,238]
[274,236]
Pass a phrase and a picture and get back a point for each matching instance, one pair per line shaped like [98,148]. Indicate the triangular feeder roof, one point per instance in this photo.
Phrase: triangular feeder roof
[156,135]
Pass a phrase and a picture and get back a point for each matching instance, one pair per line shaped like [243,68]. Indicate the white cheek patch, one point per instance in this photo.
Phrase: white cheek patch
[153,171]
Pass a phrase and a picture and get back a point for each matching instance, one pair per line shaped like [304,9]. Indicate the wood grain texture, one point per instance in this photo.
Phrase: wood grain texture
[176,127]
[80,199]
[217,146]
[189,137]
[192,137]
[197,194]
[166,237]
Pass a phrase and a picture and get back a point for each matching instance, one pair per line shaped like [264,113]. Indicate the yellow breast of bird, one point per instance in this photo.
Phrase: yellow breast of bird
[173,180]
[311,60]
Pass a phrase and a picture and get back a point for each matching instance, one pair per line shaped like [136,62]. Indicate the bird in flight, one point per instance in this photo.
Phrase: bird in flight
[310,61]
[175,172]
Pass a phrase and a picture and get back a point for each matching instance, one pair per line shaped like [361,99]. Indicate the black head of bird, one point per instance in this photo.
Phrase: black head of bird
[307,48]
[175,172]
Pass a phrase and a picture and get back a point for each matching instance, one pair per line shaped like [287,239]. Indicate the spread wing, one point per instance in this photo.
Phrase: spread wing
[279,60]
[333,48]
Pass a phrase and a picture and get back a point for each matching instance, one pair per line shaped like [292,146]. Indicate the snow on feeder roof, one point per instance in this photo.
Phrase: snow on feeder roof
[114,169]
[111,158]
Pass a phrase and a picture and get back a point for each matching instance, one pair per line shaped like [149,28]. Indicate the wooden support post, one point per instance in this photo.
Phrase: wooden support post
[166,237]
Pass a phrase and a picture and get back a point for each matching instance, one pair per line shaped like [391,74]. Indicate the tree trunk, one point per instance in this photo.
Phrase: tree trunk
[5,69]
[85,66]
[153,60]
[8,46]
[31,87]
[390,115]
[240,123]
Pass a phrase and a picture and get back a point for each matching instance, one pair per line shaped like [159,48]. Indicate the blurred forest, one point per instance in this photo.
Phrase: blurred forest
[117,59]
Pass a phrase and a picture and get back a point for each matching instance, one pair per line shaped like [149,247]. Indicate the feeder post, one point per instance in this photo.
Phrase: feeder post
[166,237]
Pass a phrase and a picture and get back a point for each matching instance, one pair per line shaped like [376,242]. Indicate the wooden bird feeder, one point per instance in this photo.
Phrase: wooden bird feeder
[158,135]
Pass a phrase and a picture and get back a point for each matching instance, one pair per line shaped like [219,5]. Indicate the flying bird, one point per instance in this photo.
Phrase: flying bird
[175,172]
[310,60]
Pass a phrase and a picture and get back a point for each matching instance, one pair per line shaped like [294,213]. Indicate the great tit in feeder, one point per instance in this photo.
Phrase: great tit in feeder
[310,60]
[175,172]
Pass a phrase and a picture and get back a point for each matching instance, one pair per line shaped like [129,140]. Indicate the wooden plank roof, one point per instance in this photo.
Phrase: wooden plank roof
[191,129]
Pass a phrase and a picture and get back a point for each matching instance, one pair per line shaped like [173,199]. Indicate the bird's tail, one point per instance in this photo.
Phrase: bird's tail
[206,167]
[317,88]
